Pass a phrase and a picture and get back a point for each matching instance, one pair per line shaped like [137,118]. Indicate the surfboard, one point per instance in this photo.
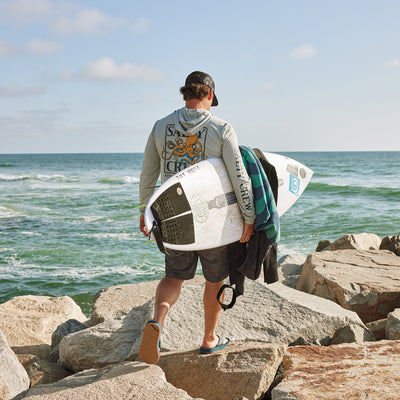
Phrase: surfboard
[196,209]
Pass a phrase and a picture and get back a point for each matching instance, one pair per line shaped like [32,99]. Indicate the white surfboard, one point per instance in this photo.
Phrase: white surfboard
[196,209]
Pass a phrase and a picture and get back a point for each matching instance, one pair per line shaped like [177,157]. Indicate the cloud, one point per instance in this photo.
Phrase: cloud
[40,47]
[8,49]
[16,91]
[35,47]
[393,63]
[66,18]
[106,69]
[303,51]
[27,11]
[87,22]
[141,25]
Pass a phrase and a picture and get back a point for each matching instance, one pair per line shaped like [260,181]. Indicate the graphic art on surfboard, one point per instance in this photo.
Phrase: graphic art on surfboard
[196,209]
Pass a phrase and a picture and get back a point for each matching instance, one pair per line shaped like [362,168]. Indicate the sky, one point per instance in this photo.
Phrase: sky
[291,75]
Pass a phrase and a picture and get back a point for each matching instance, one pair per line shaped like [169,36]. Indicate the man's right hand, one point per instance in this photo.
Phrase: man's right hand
[143,226]
[248,230]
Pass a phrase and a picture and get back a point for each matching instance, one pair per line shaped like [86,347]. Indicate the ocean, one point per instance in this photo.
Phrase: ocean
[69,223]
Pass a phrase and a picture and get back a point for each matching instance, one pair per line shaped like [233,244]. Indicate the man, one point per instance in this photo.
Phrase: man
[187,136]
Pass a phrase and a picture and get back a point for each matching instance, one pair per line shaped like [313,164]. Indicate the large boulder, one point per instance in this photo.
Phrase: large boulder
[240,370]
[265,313]
[360,241]
[29,321]
[116,301]
[290,267]
[367,282]
[393,325]
[346,371]
[391,243]
[131,380]
[14,378]
[4,390]
[107,343]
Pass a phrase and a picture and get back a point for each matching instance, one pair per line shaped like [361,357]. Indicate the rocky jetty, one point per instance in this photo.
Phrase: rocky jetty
[329,329]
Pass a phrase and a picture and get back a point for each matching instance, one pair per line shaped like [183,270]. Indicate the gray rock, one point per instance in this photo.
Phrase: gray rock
[391,243]
[12,372]
[131,380]
[265,313]
[291,264]
[116,301]
[393,325]
[367,282]
[107,343]
[360,241]
[241,370]
[68,327]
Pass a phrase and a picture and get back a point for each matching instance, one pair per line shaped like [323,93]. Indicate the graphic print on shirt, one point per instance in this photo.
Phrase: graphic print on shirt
[181,151]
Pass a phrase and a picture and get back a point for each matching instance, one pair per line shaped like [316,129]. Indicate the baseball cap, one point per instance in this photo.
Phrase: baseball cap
[205,79]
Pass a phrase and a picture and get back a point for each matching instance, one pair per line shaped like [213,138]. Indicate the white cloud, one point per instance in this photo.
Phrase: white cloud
[39,47]
[8,49]
[35,47]
[16,91]
[141,25]
[66,18]
[28,11]
[106,69]
[86,22]
[303,51]
[393,63]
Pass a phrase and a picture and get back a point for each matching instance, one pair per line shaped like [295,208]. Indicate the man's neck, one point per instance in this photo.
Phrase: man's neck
[196,104]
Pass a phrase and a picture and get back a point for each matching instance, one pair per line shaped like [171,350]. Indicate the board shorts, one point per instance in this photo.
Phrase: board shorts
[183,264]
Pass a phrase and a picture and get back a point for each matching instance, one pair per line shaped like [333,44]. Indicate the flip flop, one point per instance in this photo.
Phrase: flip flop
[149,350]
[220,345]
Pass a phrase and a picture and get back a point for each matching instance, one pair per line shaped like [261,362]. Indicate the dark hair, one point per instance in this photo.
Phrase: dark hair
[194,91]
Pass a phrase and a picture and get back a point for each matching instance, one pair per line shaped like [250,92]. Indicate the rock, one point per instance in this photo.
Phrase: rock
[393,325]
[378,328]
[391,243]
[271,313]
[29,321]
[367,282]
[361,241]
[70,326]
[131,380]
[12,372]
[346,371]
[107,343]
[4,391]
[44,372]
[323,245]
[116,301]
[241,370]
[291,266]
[265,313]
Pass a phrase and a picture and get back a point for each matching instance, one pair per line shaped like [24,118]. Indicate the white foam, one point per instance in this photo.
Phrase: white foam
[10,177]
[130,180]
[8,213]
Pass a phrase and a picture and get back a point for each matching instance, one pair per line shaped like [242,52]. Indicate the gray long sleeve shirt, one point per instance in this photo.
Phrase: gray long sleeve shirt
[186,137]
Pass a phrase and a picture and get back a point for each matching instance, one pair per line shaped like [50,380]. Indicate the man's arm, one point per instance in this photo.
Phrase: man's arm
[148,176]
[240,181]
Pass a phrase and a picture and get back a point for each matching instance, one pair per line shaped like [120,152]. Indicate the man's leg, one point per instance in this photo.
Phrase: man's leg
[167,293]
[212,311]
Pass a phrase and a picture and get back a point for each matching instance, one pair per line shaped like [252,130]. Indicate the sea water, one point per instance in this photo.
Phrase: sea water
[69,223]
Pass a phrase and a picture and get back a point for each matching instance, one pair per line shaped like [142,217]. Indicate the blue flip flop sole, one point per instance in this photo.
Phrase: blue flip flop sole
[220,345]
